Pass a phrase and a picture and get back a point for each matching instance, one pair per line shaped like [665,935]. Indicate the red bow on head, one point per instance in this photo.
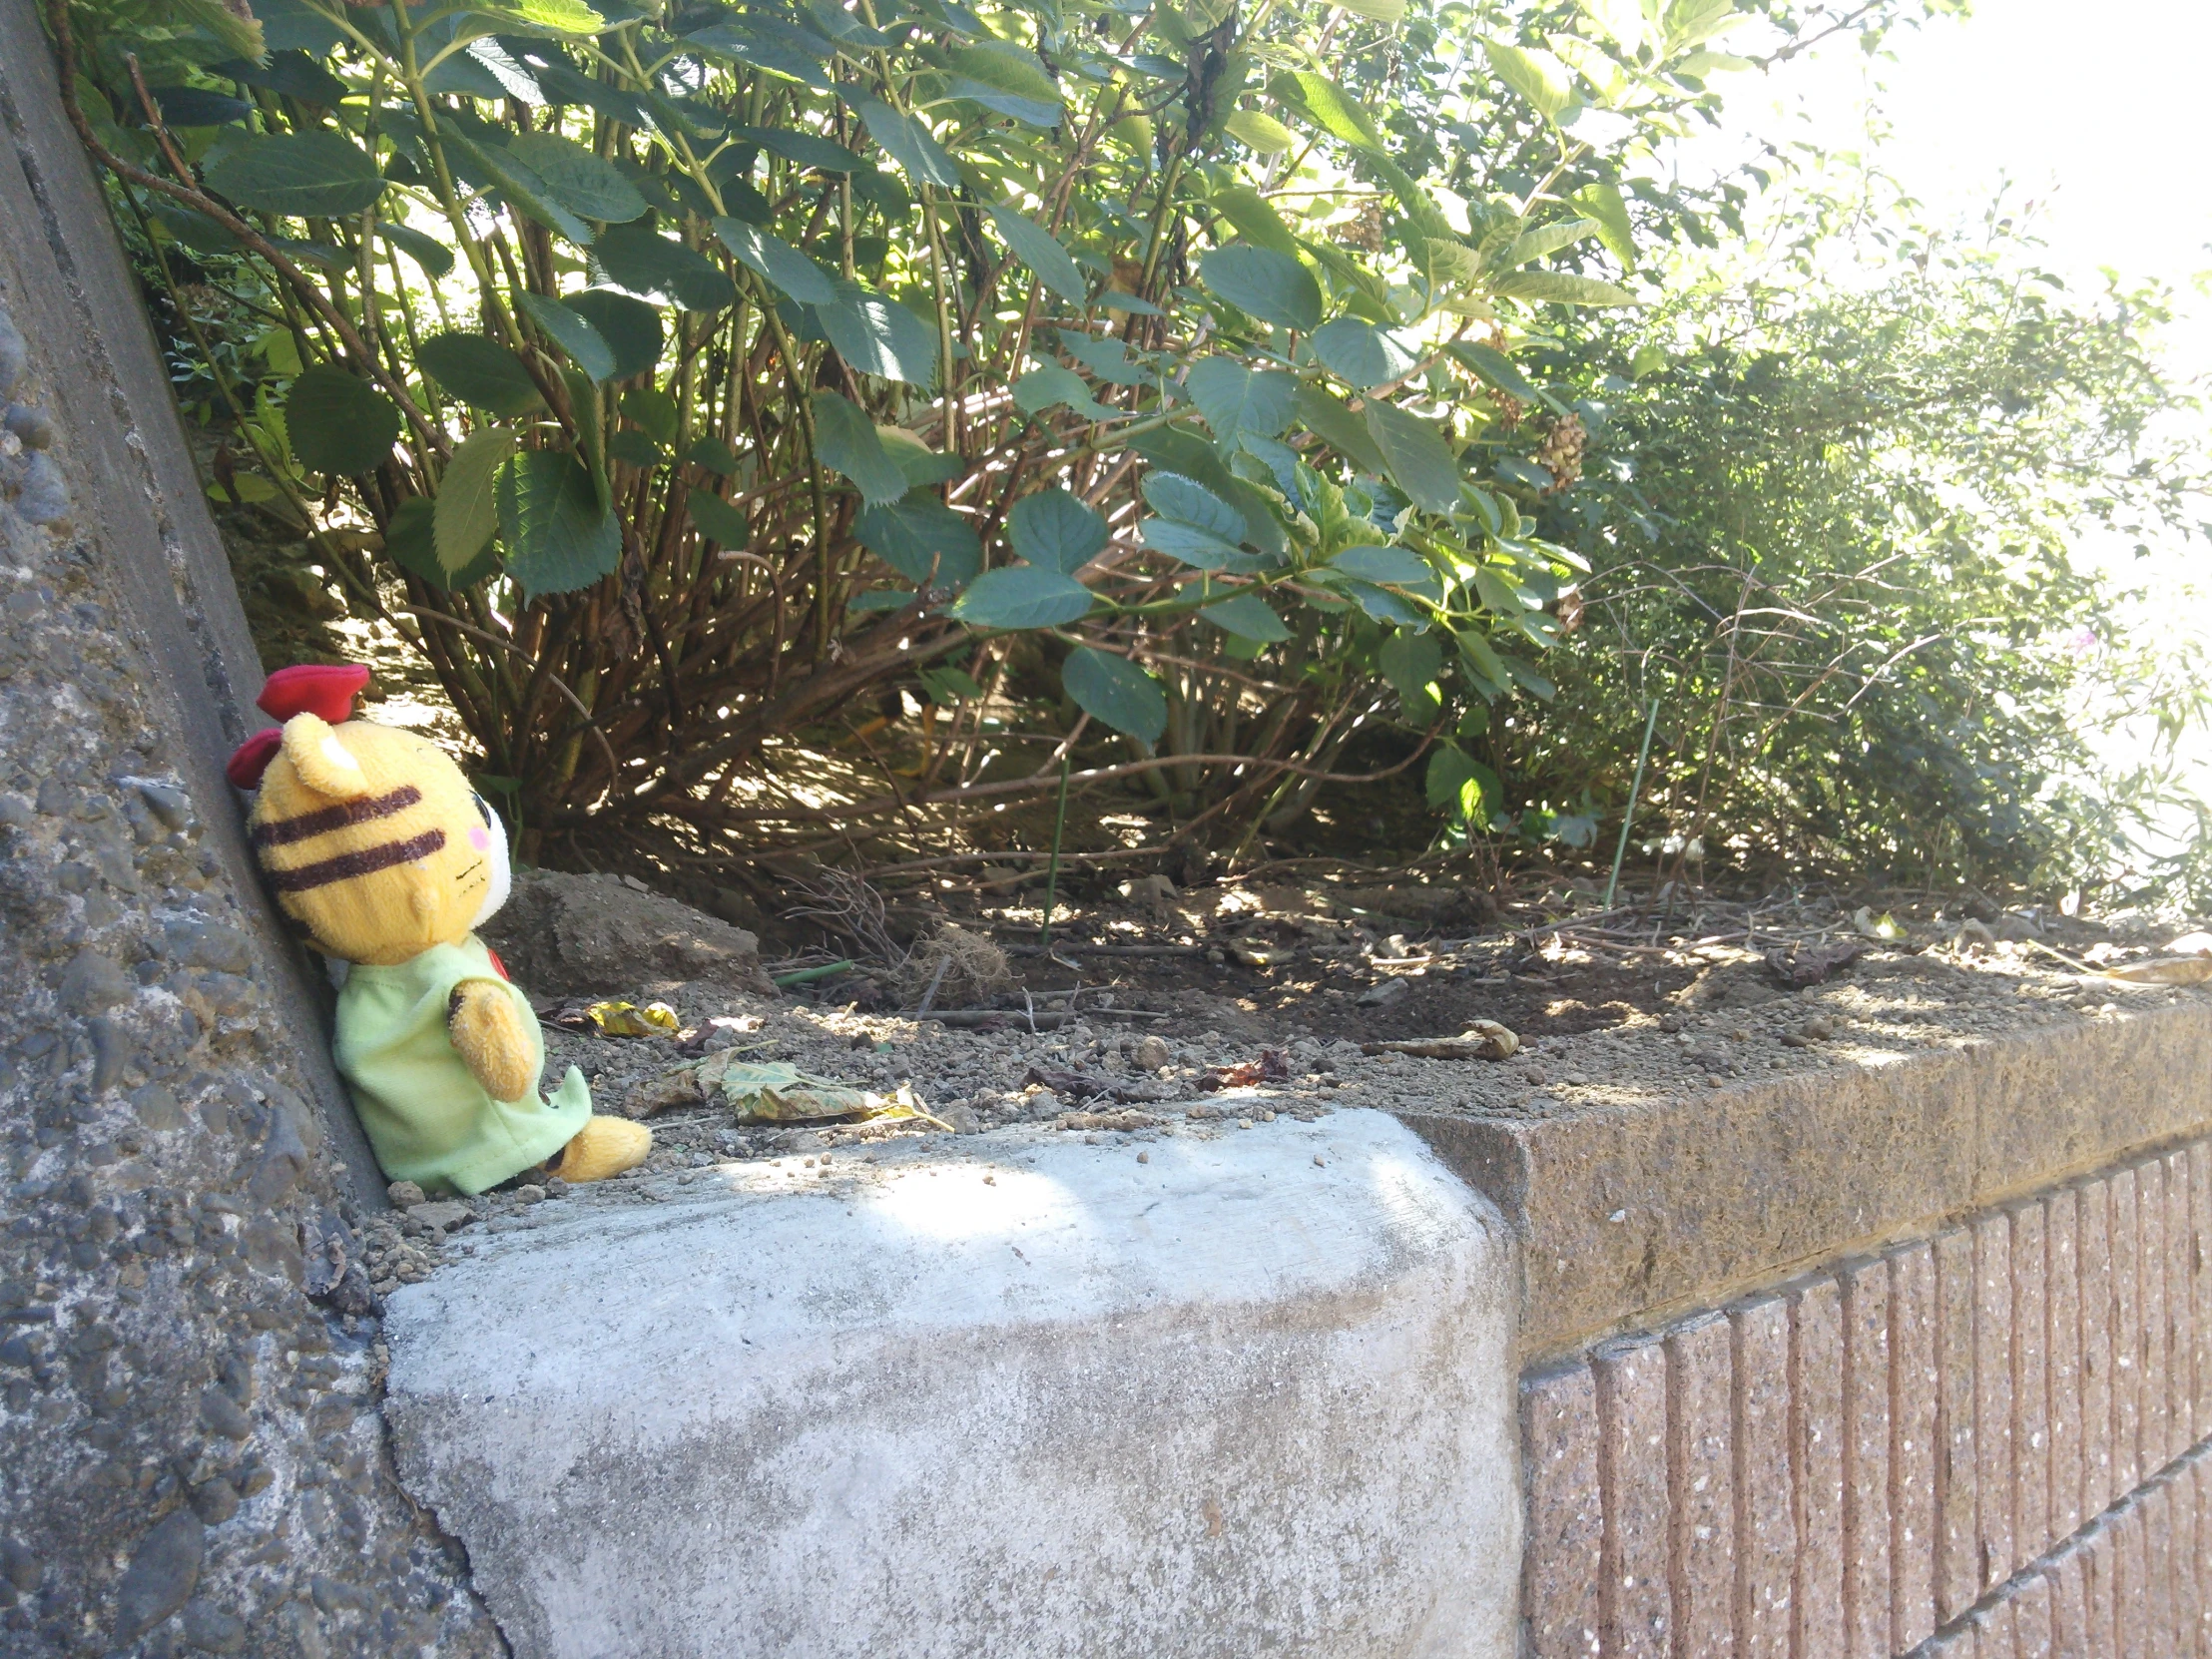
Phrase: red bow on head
[324,690]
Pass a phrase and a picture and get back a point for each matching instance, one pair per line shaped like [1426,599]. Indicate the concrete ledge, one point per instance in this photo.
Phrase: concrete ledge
[1630,1214]
[1024,1396]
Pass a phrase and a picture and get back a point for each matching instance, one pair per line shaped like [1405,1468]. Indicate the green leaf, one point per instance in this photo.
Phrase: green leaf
[410,542]
[921,464]
[1338,427]
[879,336]
[1561,287]
[1273,287]
[1051,383]
[1537,76]
[631,328]
[553,17]
[923,539]
[339,424]
[1462,784]
[519,182]
[716,519]
[1482,660]
[1054,529]
[1254,218]
[1410,662]
[1199,548]
[467,506]
[653,409]
[1327,106]
[1189,502]
[802,148]
[1249,617]
[585,346]
[310,174]
[427,251]
[1262,133]
[1021,596]
[578,180]
[480,372]
[908,143]
[1042,252]
[1361,354]
[649,265]
[1420,464]
[1384,605]
[1399,566]
[753,47]
[1235,399]
[630,445]
[777,261]
[1380,11]
[1115,692]
[1107,359]
[846,439]
[1008,79]
[1548,240]
[557,538]
[1497,369]
[715,455]
[1602,202]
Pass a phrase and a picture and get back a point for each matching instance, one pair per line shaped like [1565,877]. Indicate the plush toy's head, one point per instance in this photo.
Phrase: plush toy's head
[370,836]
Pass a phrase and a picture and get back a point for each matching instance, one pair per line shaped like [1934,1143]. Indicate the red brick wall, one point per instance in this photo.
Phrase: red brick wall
[1994,1441]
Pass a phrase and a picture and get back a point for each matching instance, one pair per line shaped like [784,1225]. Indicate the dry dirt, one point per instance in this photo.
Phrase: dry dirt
[1608,1013]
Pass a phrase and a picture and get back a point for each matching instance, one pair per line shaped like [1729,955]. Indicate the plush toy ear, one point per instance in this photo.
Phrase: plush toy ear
[323,763]
[250,758]
[324,690]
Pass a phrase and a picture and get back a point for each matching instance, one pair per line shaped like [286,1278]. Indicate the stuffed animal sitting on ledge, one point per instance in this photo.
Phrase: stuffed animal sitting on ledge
[374,844]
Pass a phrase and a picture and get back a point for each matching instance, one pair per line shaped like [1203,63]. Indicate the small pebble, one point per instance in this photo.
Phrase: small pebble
[1244,1123]
[1319,1162]
[1144,1157]
[530,1194]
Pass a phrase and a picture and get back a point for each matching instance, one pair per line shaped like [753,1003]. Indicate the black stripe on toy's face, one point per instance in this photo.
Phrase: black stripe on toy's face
[284,832]
[366,861]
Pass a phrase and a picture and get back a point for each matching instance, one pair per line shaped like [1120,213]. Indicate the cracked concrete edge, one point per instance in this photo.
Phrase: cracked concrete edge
[133,475]
[1629,1214]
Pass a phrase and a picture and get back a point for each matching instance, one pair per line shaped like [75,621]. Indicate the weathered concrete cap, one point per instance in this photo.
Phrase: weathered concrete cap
[1026,1397]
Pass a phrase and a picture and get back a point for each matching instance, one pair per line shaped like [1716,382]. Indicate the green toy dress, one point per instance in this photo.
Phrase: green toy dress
[429,1119]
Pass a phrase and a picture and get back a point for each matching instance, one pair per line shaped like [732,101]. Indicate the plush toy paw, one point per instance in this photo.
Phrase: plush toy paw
[489,1036]
[603,1147]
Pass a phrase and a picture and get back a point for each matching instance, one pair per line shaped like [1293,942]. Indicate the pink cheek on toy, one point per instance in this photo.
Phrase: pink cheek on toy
[480,839]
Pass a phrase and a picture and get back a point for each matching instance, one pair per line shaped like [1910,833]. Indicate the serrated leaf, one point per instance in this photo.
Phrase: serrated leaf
[1117,693]
[410,542]
[1042,252]
[1050,383]
[1420,462]
[777,261]
[1198,548]
[1189,502]
[631,328]
[1384,605]
[519,182]
[1329,107]
[312,175]
[1249,617]
[1235,399]
[1055,530]
[1338,427]
[587,348]
[908,143]
[921,464]
[553,17]
[1254,218]
[1401,567]
[923,540]
[340,424]
[639,258]
[1602,202]
[1548,240]
[877,335]
[1261,133]
[1410,662]
[467,502]
[578,180]
[1560,288]
[480,372]
[1107,359]
[1021,596]
[558,540]
[1451,262]
[844,438]
[1537,76]
[1380,11]
[1497,369]
[716,519]
[802,148]
[1361,354]
[1271,287]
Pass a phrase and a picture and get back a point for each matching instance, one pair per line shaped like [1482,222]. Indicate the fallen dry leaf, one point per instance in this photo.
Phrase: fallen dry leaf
[1809,964]
[1269,1067]
[2163,970]
[1484,1039]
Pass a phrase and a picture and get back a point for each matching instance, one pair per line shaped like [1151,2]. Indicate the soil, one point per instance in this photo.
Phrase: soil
[1129,1047]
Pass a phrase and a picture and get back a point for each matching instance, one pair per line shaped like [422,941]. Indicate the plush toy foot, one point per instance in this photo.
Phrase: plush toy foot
[603,1147]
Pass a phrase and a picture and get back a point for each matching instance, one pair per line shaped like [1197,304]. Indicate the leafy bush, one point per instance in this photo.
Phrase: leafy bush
[690,373]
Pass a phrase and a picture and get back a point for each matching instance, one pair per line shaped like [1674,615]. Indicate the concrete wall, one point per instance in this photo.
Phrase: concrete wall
[191,1456]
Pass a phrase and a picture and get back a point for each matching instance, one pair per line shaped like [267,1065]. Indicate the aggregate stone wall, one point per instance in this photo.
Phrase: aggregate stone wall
[1995,1443]
[191,1456]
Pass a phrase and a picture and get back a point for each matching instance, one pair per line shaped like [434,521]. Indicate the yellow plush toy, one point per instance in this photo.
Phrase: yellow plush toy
[372,840]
